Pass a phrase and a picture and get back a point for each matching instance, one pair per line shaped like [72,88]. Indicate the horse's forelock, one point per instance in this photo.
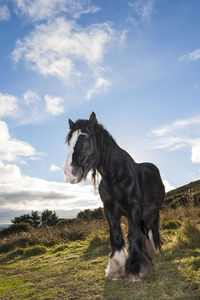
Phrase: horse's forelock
[82,125]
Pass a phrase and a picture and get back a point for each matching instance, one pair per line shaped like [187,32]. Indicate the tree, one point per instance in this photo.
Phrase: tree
[89,214]
[35,218]
[85,214]
[26,218]
[49,218]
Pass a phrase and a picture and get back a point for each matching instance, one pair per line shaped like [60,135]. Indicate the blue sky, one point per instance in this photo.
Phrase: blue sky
[136,63]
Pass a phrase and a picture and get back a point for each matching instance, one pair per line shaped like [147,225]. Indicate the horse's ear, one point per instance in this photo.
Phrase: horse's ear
[70,123]
[93,119]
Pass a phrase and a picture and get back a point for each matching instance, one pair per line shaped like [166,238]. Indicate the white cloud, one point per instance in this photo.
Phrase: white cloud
[179,124]
[101,83]
[9,172]
[168,186]
[19,192]
[192,56]
[54,168]
[143,9]
[64,49]
[54,105]
[4,13]
[31,97]
[12,149]
[37,10]
[8,105]
[29,193]
[196,151]
[182,133]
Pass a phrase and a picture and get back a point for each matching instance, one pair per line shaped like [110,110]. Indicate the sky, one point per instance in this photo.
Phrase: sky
[135,63]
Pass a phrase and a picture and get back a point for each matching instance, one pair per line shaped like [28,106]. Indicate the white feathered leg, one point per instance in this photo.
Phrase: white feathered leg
[116,265]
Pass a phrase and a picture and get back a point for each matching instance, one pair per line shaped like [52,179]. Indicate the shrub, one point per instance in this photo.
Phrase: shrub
[49,218]
[34,251]
[14,243]
[171,224]
[89,214]
[64,222]
[74,235]
[60,248]
[6,248]
[15,253]
[26,218]
[16,228]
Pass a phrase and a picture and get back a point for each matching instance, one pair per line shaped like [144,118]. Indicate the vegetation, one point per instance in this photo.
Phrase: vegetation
[47,218]
[89,214]
[188,194]
[68,261]
[15,228]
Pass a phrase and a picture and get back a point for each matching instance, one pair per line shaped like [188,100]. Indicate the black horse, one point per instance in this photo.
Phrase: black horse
[126,188]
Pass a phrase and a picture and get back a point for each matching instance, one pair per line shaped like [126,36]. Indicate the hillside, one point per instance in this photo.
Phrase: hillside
[68,261]
[189,193]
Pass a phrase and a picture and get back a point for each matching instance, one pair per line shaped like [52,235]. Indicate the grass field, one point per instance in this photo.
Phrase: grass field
[73,266]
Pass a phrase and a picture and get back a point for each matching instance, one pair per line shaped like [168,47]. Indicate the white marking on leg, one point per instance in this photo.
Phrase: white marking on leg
[116,265]
[151,239]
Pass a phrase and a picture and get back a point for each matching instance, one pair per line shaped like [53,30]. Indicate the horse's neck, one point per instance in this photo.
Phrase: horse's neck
[107,150]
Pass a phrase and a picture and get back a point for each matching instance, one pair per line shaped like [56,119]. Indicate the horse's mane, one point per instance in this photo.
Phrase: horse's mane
[104,138]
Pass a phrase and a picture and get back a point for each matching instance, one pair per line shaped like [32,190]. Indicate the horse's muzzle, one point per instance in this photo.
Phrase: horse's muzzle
[70,178]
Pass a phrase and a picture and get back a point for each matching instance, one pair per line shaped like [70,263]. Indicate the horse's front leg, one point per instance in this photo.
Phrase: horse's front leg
[118,256]
[138,264]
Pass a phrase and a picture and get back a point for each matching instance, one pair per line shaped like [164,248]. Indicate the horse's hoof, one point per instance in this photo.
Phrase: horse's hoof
[144,273]
[134,278]
[115,278]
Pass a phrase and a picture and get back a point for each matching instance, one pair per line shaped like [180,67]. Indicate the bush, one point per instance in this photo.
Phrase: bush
[65,222]
[75,235]
[16,228]
[34,251]
[89,214]
[60,248]
[171,224]
[6,248]
[13,243]
[49,218]
[15,253]
[189,233]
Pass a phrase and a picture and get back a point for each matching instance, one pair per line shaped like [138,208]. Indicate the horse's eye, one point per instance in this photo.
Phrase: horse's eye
[85,135]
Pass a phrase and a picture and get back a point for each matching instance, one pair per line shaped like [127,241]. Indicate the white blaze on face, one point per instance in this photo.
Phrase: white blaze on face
[68,167]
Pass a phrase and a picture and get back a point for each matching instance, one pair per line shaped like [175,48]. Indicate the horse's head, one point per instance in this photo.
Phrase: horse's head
[82,155]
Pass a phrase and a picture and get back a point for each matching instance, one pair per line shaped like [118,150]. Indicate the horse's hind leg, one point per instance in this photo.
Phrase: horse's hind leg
[152,228]
[155,240]
[138,264]
[116,266]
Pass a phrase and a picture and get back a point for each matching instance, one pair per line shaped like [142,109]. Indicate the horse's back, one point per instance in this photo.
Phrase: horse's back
[152,186]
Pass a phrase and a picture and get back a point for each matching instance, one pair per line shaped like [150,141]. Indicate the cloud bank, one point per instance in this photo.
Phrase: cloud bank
[19,192]
[179,134]
[63,49]
[38,10]
[4,13]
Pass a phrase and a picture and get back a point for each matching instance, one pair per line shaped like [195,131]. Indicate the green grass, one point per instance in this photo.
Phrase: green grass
[76,269]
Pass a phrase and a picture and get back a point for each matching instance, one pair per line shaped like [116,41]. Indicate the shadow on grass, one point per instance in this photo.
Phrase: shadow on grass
[97,247]
[176,272]
[167,283]
[20,254]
